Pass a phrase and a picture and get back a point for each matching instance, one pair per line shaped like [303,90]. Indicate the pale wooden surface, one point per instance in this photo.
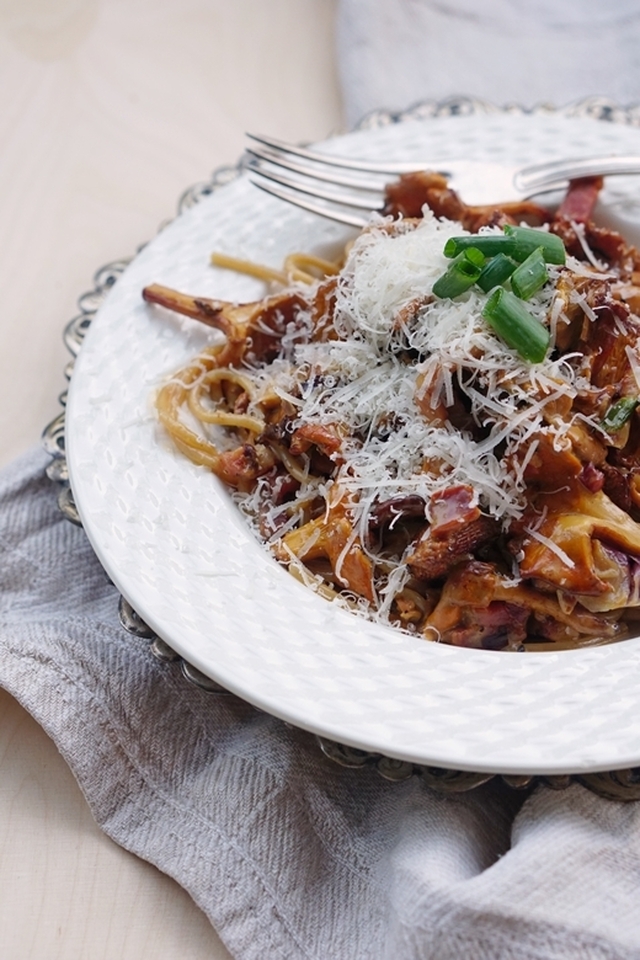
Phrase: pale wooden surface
[109,109]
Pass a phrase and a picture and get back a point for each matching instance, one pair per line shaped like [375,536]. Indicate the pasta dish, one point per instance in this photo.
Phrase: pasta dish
[440,430]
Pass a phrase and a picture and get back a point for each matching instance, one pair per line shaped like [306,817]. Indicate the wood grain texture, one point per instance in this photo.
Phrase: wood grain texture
[68,892]
[109,111]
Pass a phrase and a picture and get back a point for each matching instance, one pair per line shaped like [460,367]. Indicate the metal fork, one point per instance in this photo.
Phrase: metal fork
[477,182]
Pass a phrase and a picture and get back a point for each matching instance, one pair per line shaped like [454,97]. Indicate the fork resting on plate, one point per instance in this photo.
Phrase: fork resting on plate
[331,185]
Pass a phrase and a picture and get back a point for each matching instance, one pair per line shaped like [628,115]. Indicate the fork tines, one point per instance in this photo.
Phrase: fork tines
[310,171]
[298,200]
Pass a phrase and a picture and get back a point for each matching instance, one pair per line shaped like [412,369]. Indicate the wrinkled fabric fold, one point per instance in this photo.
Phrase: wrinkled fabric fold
[290,855]
[392,55]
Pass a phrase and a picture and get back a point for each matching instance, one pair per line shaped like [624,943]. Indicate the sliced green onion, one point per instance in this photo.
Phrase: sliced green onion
[496,271]
[475,256]
[461,275]
[490,244]
[514,324]
[528,239]
[618,413]
[530,275]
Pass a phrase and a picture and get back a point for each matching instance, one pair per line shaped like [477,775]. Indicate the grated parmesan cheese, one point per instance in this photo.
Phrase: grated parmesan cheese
[384,313]
[586,249]
[425,397]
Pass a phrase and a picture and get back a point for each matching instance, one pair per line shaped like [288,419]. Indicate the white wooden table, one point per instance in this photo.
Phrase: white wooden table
[108,110]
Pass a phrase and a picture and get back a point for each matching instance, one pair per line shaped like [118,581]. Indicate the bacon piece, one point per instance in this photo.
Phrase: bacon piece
[577,208]
[580,199]
[451,509]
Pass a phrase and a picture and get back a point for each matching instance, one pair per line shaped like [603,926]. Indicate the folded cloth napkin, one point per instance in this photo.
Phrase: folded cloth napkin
[290,855]
[393,54]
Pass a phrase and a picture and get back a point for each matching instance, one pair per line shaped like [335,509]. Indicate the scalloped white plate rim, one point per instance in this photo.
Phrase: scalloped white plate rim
[178,550]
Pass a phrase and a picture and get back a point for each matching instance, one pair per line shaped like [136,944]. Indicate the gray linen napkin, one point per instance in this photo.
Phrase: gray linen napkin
[394,54]
[290,855]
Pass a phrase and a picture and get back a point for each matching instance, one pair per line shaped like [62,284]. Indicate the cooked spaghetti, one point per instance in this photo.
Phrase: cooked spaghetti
[407,453]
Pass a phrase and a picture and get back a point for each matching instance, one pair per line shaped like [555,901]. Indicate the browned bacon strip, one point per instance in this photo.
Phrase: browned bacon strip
[580,199]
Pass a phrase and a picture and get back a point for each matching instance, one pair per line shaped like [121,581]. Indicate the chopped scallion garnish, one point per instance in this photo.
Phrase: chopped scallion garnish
[514,324]
[461,275]
[496,271]
[475,256]
[528,239]
[530,275]
[619,413]
[516,242]
[489,244]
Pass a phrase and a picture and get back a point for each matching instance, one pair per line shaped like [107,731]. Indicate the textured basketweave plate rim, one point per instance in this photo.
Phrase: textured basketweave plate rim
[180,553]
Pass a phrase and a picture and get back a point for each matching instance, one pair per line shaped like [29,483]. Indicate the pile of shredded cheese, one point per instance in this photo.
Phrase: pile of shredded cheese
[399,343]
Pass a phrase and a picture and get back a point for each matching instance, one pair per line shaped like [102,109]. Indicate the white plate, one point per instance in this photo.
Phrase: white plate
[177,549]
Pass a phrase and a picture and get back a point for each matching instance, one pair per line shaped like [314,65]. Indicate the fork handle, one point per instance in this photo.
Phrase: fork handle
[538,177]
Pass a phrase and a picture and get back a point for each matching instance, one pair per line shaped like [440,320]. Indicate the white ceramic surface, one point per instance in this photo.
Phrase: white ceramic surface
[175,546]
